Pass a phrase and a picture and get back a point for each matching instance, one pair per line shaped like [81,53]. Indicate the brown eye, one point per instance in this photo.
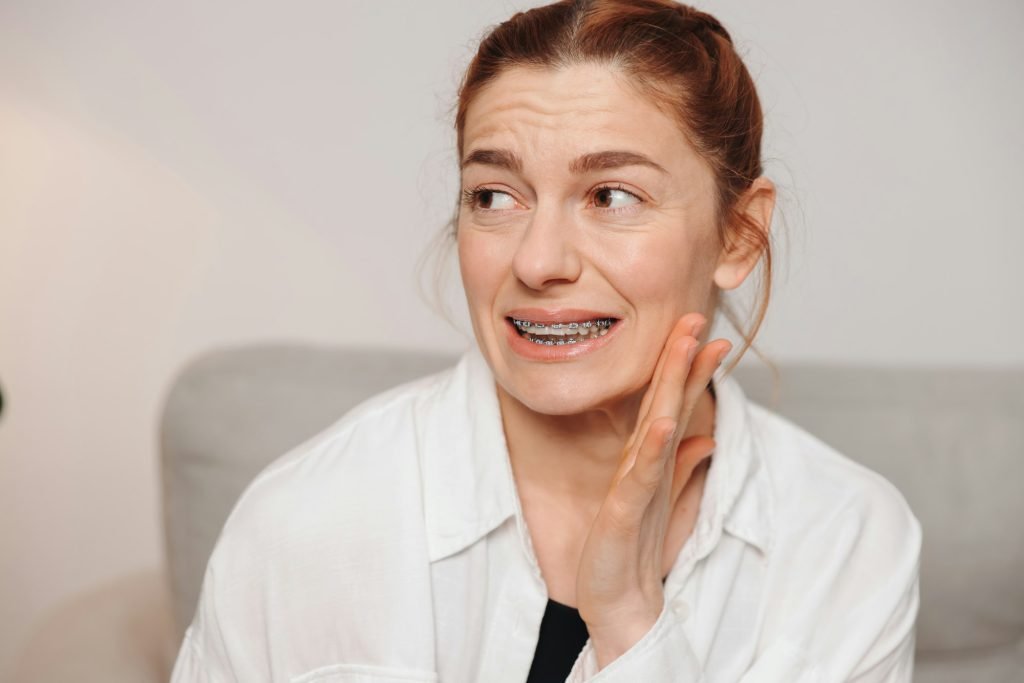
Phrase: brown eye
[606,196]
[487,200]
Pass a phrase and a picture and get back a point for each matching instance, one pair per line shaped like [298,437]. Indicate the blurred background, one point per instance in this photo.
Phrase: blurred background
[176,177]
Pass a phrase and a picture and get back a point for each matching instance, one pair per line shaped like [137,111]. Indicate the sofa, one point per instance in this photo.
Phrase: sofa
[951,439]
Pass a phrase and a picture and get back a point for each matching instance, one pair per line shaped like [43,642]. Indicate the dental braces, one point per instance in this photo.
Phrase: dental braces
[599,323]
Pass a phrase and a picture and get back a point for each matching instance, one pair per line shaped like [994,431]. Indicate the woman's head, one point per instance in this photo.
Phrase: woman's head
[610,164]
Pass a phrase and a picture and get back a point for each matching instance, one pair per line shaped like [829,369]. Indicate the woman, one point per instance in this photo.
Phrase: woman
[581,497]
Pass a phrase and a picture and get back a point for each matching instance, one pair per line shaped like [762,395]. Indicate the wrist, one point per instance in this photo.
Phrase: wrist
[611,643]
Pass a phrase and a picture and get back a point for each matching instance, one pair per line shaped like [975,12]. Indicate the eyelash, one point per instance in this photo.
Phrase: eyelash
[469,197]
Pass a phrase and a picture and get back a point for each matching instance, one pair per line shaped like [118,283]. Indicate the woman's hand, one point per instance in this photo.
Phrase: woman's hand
[618,586]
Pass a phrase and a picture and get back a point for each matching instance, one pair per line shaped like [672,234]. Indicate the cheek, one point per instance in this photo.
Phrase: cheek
[480,265]
[662,270]
[666,280]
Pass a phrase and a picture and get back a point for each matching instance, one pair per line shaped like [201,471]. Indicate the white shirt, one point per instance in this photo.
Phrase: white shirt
[392,548]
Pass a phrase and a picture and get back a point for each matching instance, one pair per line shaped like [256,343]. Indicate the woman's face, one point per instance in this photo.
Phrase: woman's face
[582,202]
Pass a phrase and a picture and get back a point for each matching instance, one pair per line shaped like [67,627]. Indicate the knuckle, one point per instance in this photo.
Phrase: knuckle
[647,477]
[620,519]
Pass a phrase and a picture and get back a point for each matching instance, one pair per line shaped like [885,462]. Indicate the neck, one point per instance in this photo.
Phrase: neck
[575,457]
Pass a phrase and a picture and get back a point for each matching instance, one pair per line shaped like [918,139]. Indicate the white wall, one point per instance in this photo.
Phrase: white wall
[184,175]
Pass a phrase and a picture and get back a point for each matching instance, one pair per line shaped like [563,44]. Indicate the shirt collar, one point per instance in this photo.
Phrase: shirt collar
[737,494]
[469,489]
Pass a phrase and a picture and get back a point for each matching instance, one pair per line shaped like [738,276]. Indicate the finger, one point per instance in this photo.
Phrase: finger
[700,373]
[642,420]
[690,324]
[686,375]
[668,399]
[639,483]
[669,383]
[690,453]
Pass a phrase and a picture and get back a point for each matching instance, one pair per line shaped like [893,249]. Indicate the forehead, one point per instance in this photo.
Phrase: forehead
[583,107]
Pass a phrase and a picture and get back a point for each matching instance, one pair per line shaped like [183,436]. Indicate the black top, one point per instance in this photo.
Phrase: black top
[563,633]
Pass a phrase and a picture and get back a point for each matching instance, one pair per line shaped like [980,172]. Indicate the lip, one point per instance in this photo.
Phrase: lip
[528,350]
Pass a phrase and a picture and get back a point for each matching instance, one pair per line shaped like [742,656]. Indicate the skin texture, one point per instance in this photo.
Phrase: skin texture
[609,449]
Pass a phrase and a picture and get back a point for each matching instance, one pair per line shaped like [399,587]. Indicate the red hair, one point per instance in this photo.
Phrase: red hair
[681,59]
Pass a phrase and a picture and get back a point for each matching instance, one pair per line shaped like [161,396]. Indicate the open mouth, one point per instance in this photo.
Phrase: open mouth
[561,334]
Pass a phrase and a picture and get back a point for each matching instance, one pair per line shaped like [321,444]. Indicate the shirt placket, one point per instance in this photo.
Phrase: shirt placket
[519,604]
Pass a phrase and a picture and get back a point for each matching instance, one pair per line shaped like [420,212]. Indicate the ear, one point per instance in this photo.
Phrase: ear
[739,255]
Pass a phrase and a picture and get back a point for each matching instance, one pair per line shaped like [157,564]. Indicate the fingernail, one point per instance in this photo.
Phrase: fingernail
[723,353]
[697,327]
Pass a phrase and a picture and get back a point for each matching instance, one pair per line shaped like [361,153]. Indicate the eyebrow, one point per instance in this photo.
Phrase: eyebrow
[595,161]
[502,158]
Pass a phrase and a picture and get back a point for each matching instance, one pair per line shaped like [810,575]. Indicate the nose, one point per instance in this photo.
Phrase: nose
[547,254]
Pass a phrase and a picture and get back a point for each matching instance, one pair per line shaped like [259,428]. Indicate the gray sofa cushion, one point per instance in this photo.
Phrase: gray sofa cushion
[950,439]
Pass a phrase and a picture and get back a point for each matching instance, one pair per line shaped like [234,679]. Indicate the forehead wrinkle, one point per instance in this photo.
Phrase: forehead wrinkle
[518,119]
[573,114]
[501,108]
[537,97]
[501,142]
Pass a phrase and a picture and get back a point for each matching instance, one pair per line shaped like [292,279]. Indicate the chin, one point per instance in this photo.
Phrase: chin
[562,399]
[555,405]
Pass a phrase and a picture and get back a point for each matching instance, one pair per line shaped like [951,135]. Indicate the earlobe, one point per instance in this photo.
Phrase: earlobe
[746,240]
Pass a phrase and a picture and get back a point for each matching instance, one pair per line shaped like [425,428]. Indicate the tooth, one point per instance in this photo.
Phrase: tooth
[554,331]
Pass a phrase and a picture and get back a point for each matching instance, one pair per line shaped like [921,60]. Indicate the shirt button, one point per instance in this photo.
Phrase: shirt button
[681,608]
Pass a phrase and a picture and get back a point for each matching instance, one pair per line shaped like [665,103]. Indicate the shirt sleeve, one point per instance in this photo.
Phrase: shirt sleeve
[845,613]
[190,666]
[314,545]
[663,654]
[203,656]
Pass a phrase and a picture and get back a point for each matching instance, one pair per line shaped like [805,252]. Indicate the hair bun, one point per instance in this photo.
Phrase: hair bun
[703,21]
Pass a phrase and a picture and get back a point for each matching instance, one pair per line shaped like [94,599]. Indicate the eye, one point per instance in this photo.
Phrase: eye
[489,200]
[614,198]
